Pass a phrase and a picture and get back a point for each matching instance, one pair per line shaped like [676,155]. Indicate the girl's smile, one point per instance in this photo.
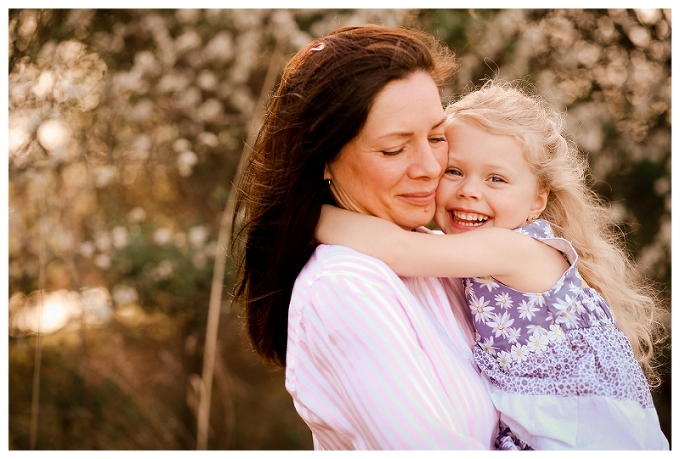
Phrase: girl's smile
[468,219]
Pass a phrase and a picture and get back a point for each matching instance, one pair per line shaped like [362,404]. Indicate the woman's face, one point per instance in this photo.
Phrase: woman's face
[392,167]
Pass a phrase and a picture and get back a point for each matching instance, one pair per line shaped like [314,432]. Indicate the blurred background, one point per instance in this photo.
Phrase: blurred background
[125,132]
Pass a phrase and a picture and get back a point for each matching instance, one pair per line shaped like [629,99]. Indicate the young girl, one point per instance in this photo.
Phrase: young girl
[546,280]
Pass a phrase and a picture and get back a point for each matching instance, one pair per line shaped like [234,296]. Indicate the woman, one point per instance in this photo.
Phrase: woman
[373,361]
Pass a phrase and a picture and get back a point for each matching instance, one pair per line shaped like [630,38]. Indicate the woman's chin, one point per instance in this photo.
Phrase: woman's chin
[415,221]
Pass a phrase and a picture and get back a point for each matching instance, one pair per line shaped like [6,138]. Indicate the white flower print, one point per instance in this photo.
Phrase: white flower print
[536,298]
[568,318]
[526,310]
[535,328]
[549,317]
[503,300]
[538,342]
[523,231]
[594,322]
[481,309]
[590,303]
[468,286]
[488,282]
[504,359]
[573,288]
[488,346]
[556,334]
[513,334]
[500,323]
[519,352]
[563,303]
[606,320]
[578,307]
[566,314]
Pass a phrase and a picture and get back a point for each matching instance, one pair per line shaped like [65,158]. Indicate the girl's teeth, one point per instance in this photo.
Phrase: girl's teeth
[469,219]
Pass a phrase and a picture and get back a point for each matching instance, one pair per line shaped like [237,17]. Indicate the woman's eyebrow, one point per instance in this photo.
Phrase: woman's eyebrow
[439,123]
[408,133]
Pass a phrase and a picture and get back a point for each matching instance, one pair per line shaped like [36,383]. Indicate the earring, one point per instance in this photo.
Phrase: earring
[327,184]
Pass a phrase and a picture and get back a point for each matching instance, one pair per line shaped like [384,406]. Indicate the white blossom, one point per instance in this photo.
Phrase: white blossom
[519,352]
[480,309]
[500,323]
[556,334]
[503,300]
[526,310]
[488,282]
[538,342]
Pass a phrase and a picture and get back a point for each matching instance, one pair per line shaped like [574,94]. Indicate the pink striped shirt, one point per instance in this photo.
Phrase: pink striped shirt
[375,361]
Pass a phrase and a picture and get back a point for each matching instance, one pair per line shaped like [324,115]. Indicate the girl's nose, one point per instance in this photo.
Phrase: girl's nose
[468,189]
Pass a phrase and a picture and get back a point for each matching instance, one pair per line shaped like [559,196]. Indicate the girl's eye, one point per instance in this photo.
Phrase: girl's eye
[455,172]
[497,179]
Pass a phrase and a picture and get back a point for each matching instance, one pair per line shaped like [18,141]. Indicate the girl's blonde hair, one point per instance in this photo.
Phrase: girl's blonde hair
[575,211]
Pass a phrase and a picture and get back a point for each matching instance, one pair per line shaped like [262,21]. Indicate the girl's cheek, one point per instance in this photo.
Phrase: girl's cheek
[445,191]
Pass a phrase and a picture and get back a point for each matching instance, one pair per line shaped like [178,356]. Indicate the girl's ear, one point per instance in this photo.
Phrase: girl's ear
[540,202]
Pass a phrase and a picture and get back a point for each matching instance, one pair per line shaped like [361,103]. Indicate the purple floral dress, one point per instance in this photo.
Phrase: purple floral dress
[559,370]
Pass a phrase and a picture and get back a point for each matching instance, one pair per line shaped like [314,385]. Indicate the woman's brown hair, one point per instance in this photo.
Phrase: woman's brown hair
[321,103]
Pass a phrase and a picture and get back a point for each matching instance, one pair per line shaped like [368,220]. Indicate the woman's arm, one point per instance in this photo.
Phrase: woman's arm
[515,259]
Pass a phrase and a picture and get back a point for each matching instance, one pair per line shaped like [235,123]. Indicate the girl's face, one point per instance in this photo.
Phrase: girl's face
[487,182]
[391,169]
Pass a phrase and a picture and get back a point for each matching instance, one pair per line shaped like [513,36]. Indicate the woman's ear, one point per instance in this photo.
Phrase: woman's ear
[326,172]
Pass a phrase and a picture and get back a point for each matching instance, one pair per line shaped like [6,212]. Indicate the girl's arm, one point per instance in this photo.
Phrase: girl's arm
[515,259]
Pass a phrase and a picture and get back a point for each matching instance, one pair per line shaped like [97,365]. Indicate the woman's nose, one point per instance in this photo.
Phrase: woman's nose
[428,162]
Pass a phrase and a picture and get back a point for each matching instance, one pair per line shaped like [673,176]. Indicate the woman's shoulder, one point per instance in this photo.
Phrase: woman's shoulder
[340,275]
[338,282]
[338,260]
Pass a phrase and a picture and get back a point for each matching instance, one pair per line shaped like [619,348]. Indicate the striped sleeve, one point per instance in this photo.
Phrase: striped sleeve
[358,372]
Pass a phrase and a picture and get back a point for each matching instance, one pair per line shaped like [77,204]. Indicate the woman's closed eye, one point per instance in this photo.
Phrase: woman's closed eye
[392,152]
[437,139]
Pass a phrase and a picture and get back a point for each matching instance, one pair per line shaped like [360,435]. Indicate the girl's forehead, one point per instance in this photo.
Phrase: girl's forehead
[500,154]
